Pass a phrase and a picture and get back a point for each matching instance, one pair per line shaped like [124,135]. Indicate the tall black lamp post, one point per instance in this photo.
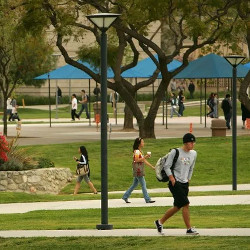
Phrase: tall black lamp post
[234,60]
[103,21]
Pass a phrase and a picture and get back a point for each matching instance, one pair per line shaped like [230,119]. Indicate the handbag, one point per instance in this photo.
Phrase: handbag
[138,169]
[82,169]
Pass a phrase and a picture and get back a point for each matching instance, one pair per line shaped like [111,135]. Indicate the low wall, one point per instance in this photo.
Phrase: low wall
[40,181]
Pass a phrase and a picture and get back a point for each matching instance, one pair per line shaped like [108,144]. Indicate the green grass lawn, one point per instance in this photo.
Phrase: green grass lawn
[127,243]
[213,166]
[234,216]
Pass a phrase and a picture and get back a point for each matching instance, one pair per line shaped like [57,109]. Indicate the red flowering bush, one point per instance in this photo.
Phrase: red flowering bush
[4,148]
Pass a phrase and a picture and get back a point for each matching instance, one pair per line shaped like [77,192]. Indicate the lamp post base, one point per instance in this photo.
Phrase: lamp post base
[104,227]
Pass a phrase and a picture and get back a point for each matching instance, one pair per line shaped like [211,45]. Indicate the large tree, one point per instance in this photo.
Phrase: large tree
[22,56]
[192,24]
[244,13]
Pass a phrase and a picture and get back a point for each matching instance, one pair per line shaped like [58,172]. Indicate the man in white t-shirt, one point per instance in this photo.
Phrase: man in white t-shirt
[74,107]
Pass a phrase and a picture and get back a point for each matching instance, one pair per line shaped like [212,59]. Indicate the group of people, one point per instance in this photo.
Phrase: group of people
[182,87]
[212,103]
[84,106]
[226,106]
[179,178]
[12,109]
[177,101]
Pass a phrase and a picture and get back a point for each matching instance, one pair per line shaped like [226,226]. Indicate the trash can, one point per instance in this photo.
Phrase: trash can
[218,127]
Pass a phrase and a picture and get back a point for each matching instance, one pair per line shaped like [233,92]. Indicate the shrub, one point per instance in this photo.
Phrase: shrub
[18,159]
[45,163]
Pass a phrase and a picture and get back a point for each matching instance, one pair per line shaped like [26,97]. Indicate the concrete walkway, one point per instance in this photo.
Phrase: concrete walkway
[123,233]
[13,208]
[66,132]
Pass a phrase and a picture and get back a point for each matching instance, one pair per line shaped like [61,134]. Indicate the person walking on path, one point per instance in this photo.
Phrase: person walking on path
[181,99]
[226,106]
[216,101]
[245,115]
[138,170]
[173,85]
[83,161]
[174,103]
[74,107]
[97,92]
[191,89]
[84,103]
[59,95]
[210,104]
[179,182]
[9,108]
[14,115]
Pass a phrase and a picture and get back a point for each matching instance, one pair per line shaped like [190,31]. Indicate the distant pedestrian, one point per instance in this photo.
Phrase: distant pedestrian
[97,92]
[173,85]
[179,182]
[59,95]
[83,162]
[74,107]
[138,171]
[226,106]
[181,99]
[191,89]
[245,115]
[14,115]
[216,101]
[84,103]
[9,108]
[210,104]
[114,99]
[174,104]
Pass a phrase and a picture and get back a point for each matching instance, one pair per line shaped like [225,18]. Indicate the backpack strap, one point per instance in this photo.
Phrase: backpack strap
[175,159]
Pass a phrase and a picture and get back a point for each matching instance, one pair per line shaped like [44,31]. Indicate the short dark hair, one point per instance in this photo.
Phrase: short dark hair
[227,95]
[83,90]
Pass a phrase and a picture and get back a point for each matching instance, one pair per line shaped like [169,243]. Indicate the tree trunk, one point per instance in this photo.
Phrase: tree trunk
[4,115]
[147,128]
[128,119]
[243,90]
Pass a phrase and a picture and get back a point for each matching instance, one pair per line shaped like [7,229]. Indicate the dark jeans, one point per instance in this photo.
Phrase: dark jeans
[181,108]
[73,114]
[84,106]
[228,119]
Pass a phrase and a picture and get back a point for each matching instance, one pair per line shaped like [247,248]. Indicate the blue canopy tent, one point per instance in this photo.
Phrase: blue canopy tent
[70,72]
[208,67]
[144,69]
[247,65]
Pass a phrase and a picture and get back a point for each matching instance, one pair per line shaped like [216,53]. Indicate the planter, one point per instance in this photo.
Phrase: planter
[39,181]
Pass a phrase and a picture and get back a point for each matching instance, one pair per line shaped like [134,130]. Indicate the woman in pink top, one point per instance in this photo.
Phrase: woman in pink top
[138,171]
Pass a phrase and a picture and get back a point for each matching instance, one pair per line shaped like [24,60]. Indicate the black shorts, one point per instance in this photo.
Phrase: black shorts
[180,193]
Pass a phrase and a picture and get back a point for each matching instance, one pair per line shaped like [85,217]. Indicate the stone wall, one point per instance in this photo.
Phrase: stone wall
[40,181]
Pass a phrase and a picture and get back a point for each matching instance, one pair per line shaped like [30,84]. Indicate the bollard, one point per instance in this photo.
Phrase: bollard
[191,128]
[23,103]
[248,123]
[97,120]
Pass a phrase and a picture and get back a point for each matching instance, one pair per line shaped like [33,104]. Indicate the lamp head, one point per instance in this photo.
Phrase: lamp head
[234,60]
[103,20]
